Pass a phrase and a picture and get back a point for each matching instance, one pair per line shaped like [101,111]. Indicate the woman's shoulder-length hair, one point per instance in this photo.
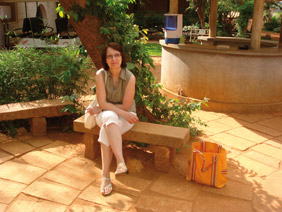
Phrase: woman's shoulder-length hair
[116,47]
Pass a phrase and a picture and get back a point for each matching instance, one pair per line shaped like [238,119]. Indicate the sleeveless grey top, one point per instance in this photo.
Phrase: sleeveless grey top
[115,95]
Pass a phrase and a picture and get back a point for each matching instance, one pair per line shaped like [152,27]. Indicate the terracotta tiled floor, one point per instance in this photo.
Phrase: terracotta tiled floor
[51,174]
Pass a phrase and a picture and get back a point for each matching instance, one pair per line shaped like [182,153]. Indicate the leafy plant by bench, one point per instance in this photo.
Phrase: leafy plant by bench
[32,74]
[28,74]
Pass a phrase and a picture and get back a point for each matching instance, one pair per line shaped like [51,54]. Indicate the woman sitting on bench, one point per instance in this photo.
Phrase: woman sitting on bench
[116,114]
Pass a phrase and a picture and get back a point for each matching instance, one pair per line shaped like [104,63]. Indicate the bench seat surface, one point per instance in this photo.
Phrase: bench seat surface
[145,132]
[39,108]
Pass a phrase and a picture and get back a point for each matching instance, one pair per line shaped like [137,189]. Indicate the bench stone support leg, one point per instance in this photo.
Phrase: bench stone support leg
[92,146]
[163,158]
[38,126]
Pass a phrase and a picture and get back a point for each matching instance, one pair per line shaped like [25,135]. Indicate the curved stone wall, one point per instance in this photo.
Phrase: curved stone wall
[234,80]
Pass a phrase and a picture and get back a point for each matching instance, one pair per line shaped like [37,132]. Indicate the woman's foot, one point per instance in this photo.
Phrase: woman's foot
[106,186]
[121,169]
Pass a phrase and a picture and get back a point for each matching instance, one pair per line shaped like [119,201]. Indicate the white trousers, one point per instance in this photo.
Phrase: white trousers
[108,117]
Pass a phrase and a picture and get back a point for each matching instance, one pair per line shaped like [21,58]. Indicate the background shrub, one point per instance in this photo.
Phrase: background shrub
[273,25]
[32,74]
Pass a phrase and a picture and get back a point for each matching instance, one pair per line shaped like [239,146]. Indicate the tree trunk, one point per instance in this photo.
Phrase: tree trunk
[88,31]
[200,8]
[201,15]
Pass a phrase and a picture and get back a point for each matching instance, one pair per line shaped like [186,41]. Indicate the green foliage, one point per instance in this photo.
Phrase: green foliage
[246,12]
[199,7]
[119,27]
[273,24]
[149,20]
[32,74]
[154,49]
[227,11]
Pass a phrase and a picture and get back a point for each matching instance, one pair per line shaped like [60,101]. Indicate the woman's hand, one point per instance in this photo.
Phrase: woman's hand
[93,110]
[130,117]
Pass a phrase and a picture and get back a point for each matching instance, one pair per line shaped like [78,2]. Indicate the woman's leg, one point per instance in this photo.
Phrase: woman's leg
[106,154]
[115,140]
[111,129]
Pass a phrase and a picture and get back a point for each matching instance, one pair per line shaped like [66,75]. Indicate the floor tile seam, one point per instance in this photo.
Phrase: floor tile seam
[263,132]
[157,194]
[95,204]
[276,138]
[242,119]
[273,146]
[51,169]
[12,181]
[26,185]
[22,154]
[276,148]
[92,203]
[232,126]
[147,190]
[229,196]
[40,198]
[62,184]
[264,125]
[253,130]
[77,196]
[37,147]
[46,170]
[19,155]
[231,147]
[3,150]
[263,155]
[25,162]
[219,196]
[80,191]
[208,120]
[259,132]
[260,176]
[13,157]
[245,139]
[224,131]
[22,192]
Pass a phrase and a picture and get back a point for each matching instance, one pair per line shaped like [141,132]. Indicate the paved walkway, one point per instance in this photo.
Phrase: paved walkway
[50,173]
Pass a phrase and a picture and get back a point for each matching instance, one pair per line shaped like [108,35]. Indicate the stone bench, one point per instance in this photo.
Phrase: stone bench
[165,139]
[37,111]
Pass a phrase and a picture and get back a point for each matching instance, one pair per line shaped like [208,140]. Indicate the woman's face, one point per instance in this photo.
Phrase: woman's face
[113,58]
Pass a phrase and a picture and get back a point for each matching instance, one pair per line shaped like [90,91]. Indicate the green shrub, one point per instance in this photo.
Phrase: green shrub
[277,29]
[273,24]
[246,12]
[28,74]
[154,49]
[149,20]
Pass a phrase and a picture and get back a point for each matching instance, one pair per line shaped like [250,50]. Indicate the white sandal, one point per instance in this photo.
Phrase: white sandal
[107,190]
[121,169]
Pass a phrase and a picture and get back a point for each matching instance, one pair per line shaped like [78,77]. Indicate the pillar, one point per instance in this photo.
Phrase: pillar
[213,18]
[38,126]
[173,6]
[257,24]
